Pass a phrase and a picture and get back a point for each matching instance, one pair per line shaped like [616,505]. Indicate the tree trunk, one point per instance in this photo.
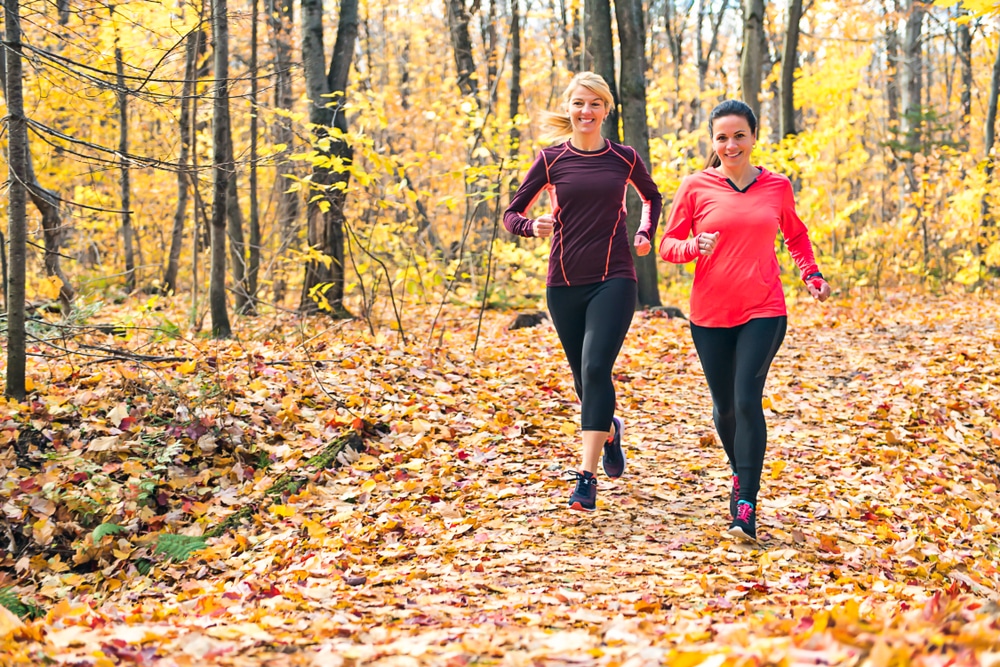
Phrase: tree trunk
[234,227]
[280,19]
[913,63]
[47,203]
[892,70]
[632,35]
[987,233]
[183,173]
[705,54]
[965,61]
[221,170]
[254,267]
[458,23]
[323,287]
[17,227]
[752,58]
[515,84]
[600,48]
[125,176]
[492,41]
[673,25]
[789,63]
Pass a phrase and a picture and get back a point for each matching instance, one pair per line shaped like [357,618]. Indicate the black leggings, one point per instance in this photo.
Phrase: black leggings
[592,321]
[736,361]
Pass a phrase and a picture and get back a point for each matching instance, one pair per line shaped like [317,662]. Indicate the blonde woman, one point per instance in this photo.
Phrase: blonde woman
[591,287]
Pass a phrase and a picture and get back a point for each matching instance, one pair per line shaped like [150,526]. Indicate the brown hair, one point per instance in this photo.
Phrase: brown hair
[556,125]
[729,108]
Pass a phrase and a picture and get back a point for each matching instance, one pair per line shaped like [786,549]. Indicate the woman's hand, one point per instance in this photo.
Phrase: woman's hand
[642,245]
[706,243]
[542,226]
[819,288]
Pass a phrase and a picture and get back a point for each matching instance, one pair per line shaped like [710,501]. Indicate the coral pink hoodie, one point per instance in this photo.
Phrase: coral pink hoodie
[741,279]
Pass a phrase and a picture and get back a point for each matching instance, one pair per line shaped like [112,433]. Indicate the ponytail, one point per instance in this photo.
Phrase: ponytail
[556,125]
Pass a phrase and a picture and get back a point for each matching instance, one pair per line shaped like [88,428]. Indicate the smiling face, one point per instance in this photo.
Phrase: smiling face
[733,141]
[587,110]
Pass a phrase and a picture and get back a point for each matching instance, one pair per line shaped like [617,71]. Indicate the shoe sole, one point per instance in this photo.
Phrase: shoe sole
[580,508]
[738,533]
[620,425]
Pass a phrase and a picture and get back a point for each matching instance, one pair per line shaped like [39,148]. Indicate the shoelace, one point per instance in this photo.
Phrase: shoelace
[736,484]
[743,511]
[579,477]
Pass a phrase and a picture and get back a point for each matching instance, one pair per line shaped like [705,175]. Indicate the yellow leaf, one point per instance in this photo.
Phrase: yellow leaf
[282,510]
[367,462]
[49,288]
[187,367]
[29,384]
[776,468]
[368,486]
[569,428]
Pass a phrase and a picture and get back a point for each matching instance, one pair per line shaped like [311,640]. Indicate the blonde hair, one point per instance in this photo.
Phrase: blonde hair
[556,125]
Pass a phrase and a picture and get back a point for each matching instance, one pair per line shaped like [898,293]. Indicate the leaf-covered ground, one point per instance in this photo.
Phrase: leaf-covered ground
[440,535]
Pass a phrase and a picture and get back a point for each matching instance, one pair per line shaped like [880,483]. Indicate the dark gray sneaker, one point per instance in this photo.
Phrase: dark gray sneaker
[585,495]
[744,527]
[614,455]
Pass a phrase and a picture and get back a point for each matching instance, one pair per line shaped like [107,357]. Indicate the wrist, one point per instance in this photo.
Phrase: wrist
[643,233]
[814,274]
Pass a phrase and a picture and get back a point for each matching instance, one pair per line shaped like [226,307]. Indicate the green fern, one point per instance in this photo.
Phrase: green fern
[144,566]
[9,599]
[179,547]
[106,529]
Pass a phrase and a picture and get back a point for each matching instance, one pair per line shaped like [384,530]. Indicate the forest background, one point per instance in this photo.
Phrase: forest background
[201,196]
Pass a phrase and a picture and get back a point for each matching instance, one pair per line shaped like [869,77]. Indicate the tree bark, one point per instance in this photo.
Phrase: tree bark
[234,227]
[221,170]
[324,282]
[186,125]
[892,69]
[705,54]
[965,61]
[280,19]
[752,58]
[635,123]
[913,63]
[47,203]
[987,228]
[254,260]
[601,53]
[458,23]
[125,175]
[789,63]
[17,227]
[515,84]
[673,25]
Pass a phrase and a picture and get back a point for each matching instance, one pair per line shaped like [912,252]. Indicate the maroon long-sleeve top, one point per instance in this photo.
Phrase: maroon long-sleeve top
[590,243]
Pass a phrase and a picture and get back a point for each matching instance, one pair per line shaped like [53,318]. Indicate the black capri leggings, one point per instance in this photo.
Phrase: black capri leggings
[736,361]
[592,321]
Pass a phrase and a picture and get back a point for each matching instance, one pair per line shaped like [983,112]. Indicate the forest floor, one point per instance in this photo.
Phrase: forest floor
[441,536]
